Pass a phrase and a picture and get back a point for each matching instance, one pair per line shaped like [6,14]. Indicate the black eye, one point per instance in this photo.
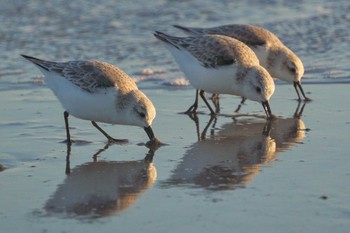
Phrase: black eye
[292,69]
[142,115]
[258,89]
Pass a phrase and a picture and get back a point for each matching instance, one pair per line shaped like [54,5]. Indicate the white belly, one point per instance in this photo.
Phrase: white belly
[214,80]
[98,106]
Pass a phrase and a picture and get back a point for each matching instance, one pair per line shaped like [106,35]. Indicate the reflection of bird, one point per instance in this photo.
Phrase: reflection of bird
[231,157]
[97,91]
[278,59]
[288,131]
[226,160]
[220,64]
[102,188]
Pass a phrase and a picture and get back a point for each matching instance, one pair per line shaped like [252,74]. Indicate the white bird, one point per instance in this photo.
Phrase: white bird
[277,58]
[98,92]
[221,64]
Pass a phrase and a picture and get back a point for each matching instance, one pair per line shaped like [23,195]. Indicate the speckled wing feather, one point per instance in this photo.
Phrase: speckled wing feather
[212,51]
[249,34]
[88,75]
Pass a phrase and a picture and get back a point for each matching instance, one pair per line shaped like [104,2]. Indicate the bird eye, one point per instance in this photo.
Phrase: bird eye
[258,89]
[142,115]
[292,69]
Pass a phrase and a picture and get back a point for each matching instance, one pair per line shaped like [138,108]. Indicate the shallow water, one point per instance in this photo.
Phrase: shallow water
[226,174]
[121,33]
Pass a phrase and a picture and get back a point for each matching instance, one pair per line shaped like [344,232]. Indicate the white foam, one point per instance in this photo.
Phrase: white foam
[150,71]
[178,82]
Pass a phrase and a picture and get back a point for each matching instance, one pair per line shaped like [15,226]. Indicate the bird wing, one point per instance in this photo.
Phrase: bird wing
[251,35]
[210,51]
[88,75]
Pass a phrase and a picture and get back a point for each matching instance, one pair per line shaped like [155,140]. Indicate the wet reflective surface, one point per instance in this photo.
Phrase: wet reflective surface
[223,172]
[234,173]
[231,155]
[101,188]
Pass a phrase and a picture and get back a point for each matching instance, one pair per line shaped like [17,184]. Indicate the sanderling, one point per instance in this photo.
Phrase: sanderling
[97,91]
[277,58]
[221,64]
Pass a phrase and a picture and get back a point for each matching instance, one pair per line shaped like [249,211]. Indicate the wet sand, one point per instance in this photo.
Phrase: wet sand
[231,175]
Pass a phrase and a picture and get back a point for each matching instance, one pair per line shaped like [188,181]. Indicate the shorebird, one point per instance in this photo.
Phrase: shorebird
[220,64]
[281,62]
[98,92]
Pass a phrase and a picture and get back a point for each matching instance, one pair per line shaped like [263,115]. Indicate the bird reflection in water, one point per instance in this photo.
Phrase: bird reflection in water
[102,188]
[287,132]
[233,154]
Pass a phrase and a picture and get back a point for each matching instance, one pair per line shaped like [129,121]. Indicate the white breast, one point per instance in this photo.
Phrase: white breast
[98,106]
[214,80]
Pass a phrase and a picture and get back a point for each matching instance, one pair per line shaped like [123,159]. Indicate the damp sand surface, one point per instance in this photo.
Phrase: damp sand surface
[235,173]
[239,174]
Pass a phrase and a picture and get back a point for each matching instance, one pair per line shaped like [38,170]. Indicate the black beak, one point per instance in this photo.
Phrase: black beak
[297,85]
[149,132]
[267,109]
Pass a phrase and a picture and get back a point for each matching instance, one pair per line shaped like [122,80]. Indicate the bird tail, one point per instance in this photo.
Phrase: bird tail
[172,40]
[190,30]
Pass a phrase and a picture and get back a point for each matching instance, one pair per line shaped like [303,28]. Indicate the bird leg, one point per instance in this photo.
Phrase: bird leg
[216,101]
[201,93]
[66,115]
[110,139]
[240,104]
[193,108]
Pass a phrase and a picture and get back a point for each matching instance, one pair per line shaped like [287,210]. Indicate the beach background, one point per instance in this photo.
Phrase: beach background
[235,173]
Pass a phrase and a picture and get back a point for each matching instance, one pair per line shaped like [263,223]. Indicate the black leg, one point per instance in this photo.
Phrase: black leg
[110,139]
[240,104]
[68,159]
[238,108]
[201,93]
[194,106]
[66,115]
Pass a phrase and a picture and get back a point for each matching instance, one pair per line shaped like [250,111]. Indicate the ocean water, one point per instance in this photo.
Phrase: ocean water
[120,32]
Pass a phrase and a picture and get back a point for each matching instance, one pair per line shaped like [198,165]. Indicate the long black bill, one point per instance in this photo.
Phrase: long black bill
[297,85]
[267,109]
[149,132]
